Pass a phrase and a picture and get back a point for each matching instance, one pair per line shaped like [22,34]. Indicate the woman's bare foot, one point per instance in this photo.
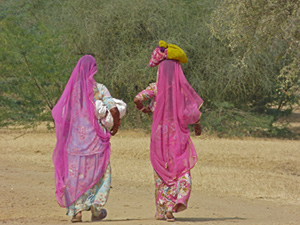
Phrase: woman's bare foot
[77,218]
[170,217]
[101,216]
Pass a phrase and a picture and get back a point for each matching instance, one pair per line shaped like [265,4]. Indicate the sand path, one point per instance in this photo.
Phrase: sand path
[250,181]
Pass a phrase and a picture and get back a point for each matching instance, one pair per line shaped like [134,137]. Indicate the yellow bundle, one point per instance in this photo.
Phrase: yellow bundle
[174,52]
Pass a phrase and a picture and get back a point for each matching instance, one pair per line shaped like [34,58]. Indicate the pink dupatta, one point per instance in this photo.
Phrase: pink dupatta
[82,150]
[172,152]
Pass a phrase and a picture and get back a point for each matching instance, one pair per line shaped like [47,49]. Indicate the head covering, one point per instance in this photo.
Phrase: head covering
[167,51]
[158,55]
[82,151]
[172,152]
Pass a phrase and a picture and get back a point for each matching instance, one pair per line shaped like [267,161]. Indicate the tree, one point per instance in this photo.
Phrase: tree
[32,63]
[258,28]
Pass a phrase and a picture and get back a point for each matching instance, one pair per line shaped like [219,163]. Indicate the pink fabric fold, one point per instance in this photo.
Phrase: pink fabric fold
[157,56]
[82,151]
[172,152]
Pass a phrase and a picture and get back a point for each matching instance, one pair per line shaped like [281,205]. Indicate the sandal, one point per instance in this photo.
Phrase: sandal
[77,218]
[169,217]
[102,214]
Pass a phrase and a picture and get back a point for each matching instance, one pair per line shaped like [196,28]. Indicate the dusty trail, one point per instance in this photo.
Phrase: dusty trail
[250,181]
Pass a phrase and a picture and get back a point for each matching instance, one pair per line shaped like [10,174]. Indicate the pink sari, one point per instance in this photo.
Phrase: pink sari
[82,150]
[172,152]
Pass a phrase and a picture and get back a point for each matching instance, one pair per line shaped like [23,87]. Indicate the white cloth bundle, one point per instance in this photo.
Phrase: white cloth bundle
[104,115]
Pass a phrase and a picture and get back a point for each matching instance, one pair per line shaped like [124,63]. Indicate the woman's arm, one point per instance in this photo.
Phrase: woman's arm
[116,116]
[197,128]
[138,103]
[144,95]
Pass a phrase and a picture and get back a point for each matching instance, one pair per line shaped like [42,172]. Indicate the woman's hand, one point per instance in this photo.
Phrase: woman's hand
[197,128]
[138,103]
[114,129]
[140,107]
[146,109]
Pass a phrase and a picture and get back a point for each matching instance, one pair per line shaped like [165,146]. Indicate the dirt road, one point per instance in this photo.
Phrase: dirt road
[250,181]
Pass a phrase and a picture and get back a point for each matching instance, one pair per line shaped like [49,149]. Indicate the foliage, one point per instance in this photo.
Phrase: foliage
[244,66]
[32,63]
[227,121]
[270,31]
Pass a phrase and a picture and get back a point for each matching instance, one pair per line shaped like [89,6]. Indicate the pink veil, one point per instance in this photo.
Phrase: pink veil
[82,151]
[172,152]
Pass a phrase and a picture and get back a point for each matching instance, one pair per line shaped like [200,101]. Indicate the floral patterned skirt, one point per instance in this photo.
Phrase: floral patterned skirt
[171,198]
[96,196]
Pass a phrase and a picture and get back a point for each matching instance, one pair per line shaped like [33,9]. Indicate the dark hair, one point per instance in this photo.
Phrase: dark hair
[92,54]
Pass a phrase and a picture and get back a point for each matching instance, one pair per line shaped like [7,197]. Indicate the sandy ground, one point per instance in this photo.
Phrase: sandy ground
[249,181]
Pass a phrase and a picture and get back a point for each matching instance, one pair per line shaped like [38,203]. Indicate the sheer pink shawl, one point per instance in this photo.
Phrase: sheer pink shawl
[82,150]
[172,152]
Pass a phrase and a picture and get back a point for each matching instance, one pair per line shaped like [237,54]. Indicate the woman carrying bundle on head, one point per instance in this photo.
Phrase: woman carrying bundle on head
[174,104]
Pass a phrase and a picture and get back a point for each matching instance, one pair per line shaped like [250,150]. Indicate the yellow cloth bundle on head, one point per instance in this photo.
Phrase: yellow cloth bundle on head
[174,52]
[163,44]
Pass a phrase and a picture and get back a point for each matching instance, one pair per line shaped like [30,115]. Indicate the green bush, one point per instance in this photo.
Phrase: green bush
[43,41]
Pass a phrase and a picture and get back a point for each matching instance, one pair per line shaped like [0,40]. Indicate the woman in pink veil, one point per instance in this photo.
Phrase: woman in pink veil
[82,153]
[174,104]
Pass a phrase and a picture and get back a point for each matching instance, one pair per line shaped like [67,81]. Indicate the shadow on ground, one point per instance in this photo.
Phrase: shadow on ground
[194,219]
